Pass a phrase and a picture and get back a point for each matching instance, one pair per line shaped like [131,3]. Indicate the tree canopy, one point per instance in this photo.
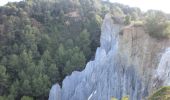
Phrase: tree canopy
[42,41]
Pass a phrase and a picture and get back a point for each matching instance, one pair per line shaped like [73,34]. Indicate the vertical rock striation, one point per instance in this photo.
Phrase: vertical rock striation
[163,70]
[55,92]
[123,65]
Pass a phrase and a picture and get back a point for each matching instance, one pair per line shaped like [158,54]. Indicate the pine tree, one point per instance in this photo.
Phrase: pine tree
[3,78]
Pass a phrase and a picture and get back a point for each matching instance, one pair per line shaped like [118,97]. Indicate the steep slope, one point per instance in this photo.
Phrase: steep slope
[163,71]
[124,65]
[150,56]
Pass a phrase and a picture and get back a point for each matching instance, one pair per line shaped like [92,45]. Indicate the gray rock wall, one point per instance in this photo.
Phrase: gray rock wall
[119,68]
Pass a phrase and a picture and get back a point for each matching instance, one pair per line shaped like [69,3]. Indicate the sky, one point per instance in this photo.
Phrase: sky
[144,5]
[3,2]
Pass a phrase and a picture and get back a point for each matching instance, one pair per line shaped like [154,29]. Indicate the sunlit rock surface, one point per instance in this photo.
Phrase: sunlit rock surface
[163,70]
[55,92]
[124,65]
[97,81]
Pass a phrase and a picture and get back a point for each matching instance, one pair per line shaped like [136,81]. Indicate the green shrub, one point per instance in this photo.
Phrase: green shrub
[113,98]
[157,25]
[161,94]
[138,23]
[26,98]
[125,98]
[3,98]
[158,30]
[127,20]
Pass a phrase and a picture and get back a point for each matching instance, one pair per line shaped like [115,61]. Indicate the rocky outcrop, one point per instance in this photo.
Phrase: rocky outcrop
[124,64]
[55,92]
[163,71]
[143,52]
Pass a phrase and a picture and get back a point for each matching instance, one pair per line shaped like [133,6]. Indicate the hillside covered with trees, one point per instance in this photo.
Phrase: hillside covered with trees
[42,41]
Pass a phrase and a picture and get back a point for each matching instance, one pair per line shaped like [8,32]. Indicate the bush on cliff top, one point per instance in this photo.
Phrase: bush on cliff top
[157,25]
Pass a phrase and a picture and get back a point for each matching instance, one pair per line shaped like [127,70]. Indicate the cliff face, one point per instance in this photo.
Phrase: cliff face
[145,54]
[125,64]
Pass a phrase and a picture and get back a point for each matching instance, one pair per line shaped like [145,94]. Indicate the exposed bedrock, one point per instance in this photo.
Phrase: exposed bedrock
[125,65]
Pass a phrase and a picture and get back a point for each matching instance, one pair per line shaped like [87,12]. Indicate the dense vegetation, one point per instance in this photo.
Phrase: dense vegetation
[42,41]
[157,24]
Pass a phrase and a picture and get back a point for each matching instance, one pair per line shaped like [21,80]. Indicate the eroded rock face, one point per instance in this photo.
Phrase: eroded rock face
[123,65]
[163,70]
[55,92]
[95,82]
